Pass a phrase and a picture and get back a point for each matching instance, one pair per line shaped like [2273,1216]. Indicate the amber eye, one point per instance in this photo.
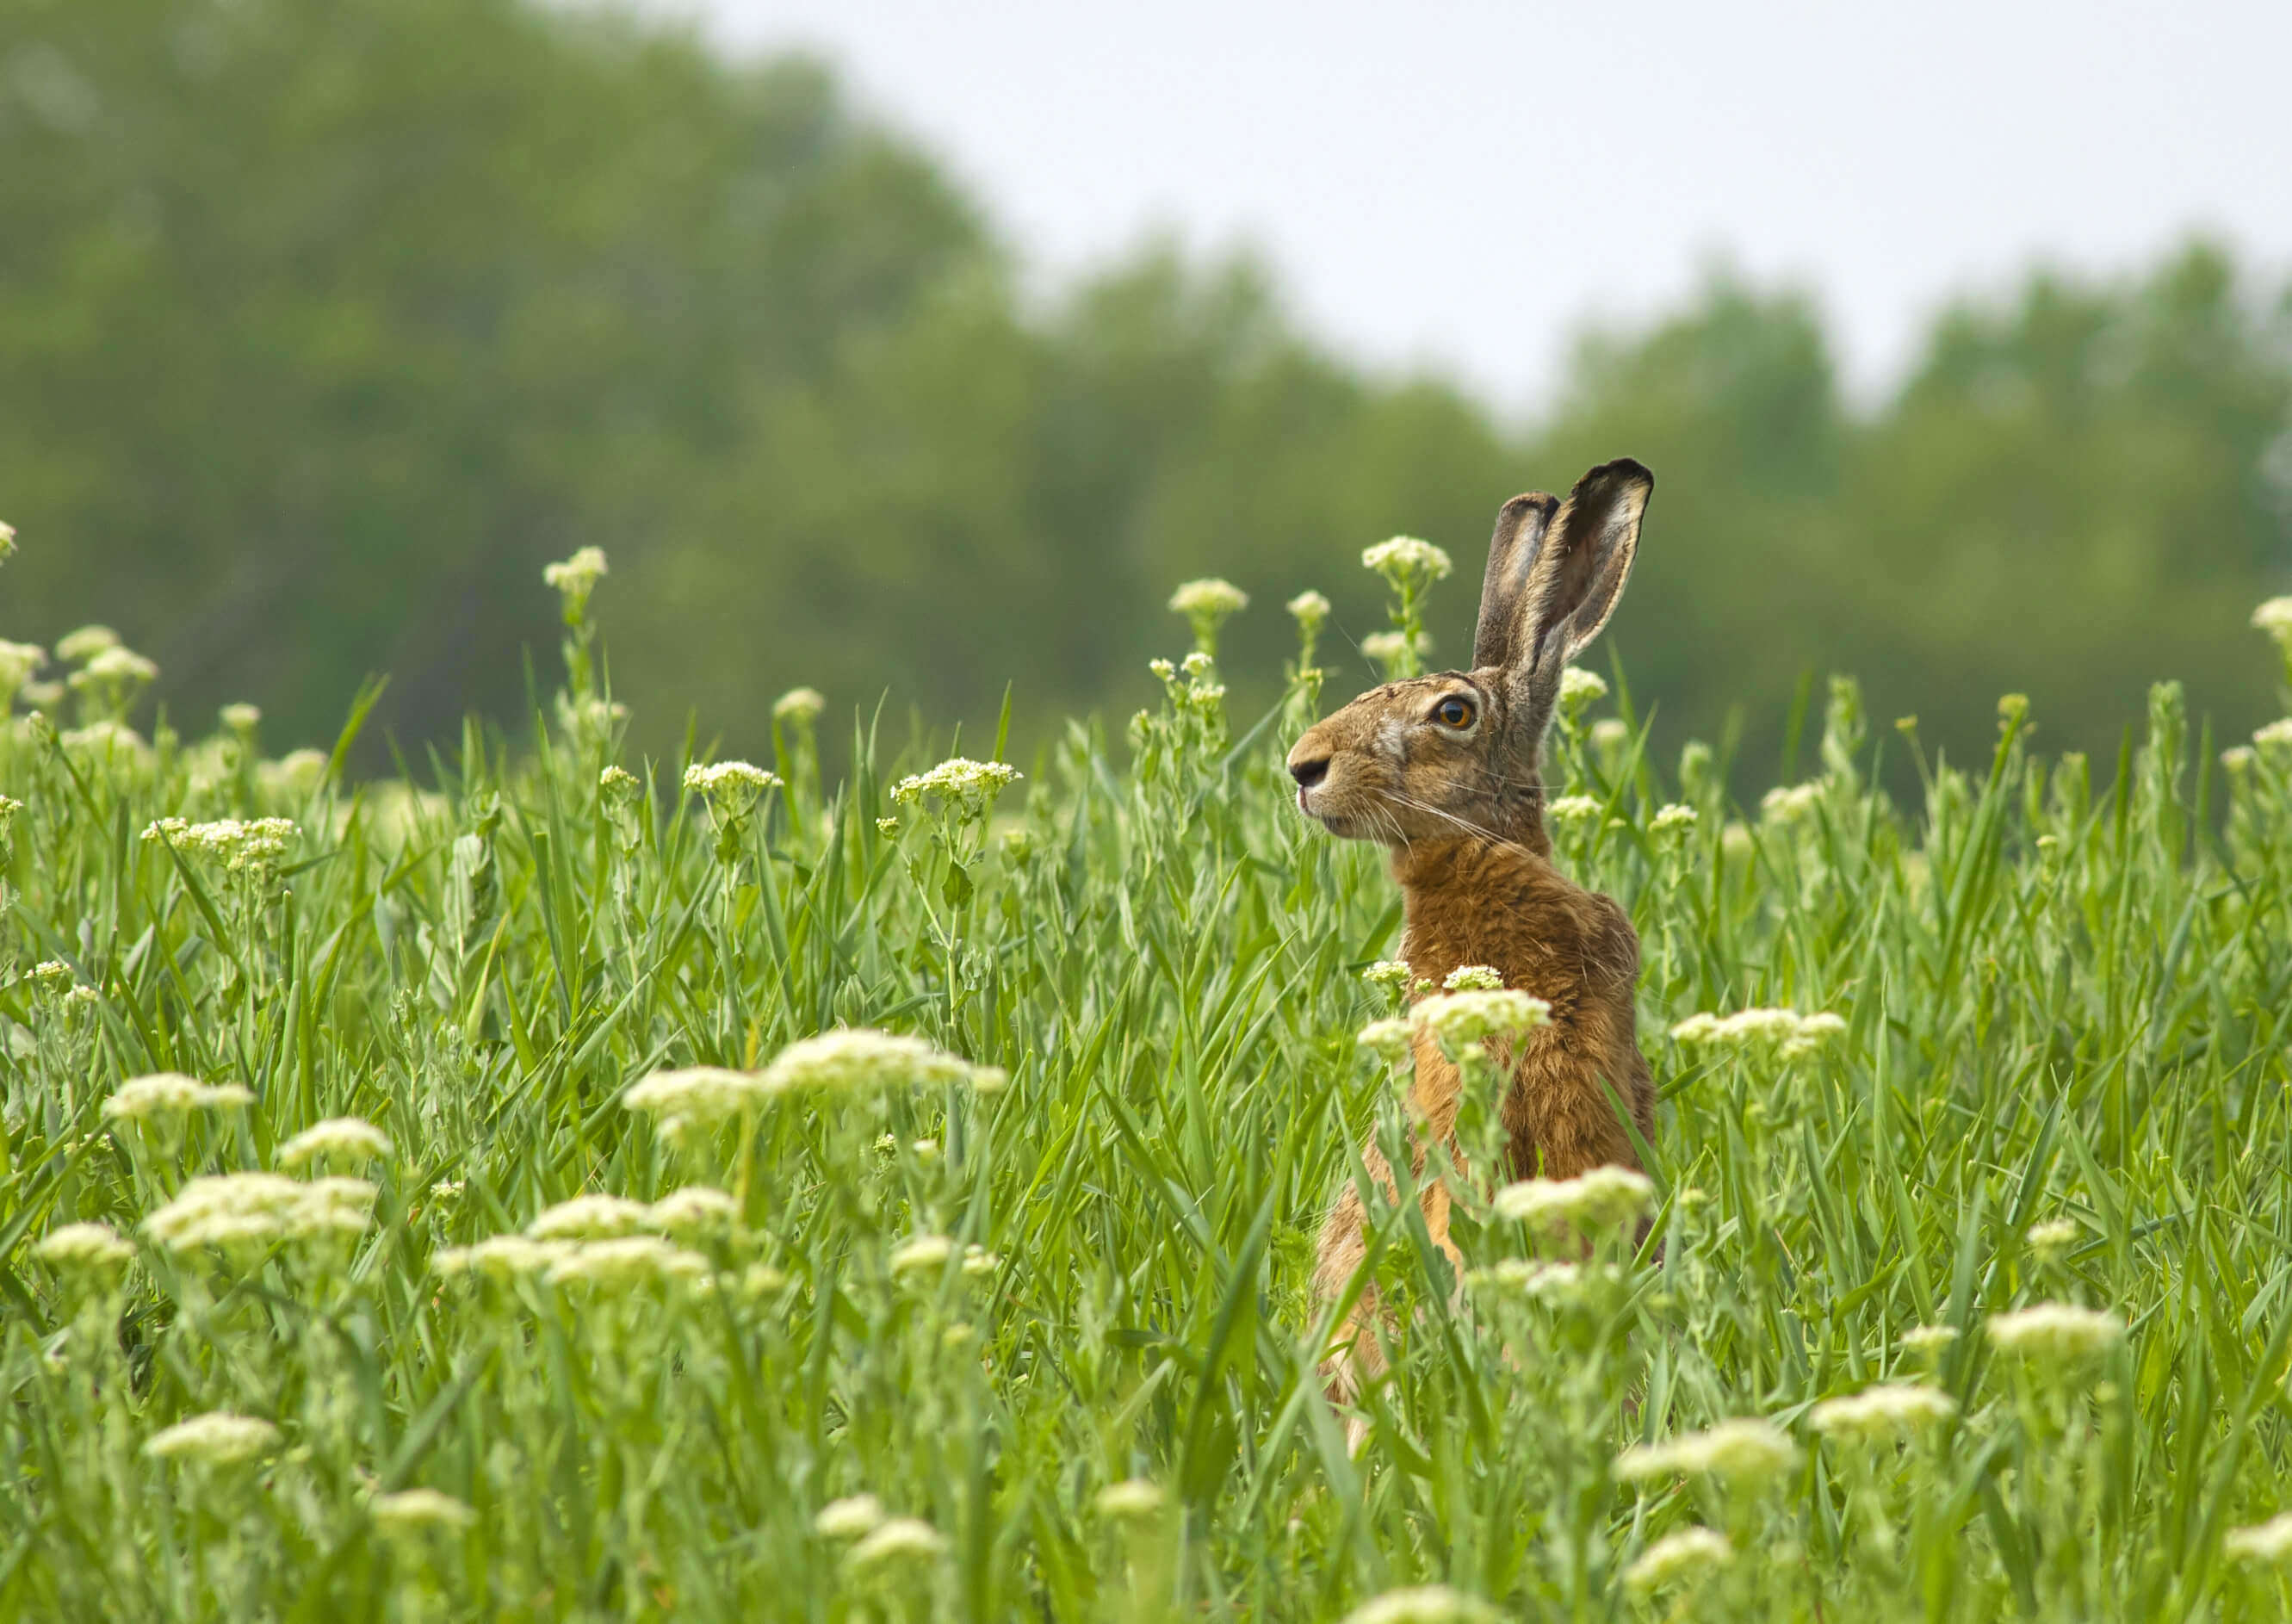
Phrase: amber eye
[1455,711]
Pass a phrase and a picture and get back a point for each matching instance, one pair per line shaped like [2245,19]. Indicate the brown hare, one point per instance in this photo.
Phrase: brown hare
[1442,768]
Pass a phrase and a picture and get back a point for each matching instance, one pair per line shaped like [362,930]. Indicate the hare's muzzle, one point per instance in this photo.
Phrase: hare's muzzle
[1309,770]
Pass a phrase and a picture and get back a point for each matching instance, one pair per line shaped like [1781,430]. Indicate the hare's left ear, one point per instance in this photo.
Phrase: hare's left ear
[1572,584]
[1521,525]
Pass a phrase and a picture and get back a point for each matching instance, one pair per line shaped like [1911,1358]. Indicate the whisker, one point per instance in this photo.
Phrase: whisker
[1461,823]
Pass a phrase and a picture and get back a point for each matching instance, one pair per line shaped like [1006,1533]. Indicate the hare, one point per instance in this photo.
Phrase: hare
[1442,769]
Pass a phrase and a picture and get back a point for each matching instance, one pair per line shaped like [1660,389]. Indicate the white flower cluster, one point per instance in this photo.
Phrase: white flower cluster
[500,1257]
[1393,974]
[1131,1500]
[590,1217]
[901,1539]
[1210,597]
[95,1249]
[170,1094]
[1742,1453]
[1422,1605]
[590,715]
[1928,1341]
[2054,1332]
[7,542]
[1571,809]
[1883,1413]
[114,667]
[630,1263]
[2264,1544]
[297,773]
[1197,692]
[959,779]
[618,783]
[929,1254]
[1460,1019]
[239,845]
[344,1138]
[1407,557]
[1579,688]
[705,1097]
[1392,1039]
[1558,1285]
[1604,1198]
[852,1517]
[696,1209]
[1677,1558]
[231,1210]
[800,707]
[2049,1238]
[2278,732]
[729,782]
[1309,610]
[241,717]
[2275,618]
[20,663]
[415,1511]
[218,1438]
[1473,978]
[77,648]
[106,740]
[606,1241]
[577,577]
[1783,1032]
[1675,818]
[921,1255]
[700,1097]
[856,1057]
[1791,803]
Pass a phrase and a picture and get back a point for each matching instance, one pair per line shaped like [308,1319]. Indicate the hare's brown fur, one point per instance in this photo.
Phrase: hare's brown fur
[1462,809]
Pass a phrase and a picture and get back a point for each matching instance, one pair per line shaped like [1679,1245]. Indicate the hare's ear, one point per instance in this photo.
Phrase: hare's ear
[1521,527]
[1573,582]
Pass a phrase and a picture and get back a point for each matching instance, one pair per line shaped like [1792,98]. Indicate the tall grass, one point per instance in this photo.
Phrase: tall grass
[2062,1079]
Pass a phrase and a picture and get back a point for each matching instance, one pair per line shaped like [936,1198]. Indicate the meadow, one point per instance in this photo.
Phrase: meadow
[435,1198]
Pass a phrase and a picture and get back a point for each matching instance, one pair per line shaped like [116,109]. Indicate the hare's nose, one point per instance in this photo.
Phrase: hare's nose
[1309,773]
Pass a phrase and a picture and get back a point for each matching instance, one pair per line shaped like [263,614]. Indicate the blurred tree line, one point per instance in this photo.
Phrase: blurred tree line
[325,323]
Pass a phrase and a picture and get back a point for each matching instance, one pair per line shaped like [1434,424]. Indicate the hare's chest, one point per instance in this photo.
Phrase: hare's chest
[1547,964]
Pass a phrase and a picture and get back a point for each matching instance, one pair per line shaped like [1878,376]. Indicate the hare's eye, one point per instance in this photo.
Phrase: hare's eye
[1455,711]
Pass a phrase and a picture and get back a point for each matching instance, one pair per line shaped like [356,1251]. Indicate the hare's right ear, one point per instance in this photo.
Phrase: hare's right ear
[1569,586]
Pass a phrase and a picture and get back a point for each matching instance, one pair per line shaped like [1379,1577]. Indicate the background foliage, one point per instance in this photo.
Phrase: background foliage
[323,324]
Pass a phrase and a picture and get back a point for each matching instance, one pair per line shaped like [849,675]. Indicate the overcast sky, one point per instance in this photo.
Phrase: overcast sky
[1460,183]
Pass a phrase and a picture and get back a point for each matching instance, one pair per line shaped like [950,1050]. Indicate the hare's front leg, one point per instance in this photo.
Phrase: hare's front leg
[1354,1357]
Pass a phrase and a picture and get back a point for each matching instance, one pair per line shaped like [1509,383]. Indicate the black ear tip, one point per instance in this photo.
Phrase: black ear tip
[1622,471]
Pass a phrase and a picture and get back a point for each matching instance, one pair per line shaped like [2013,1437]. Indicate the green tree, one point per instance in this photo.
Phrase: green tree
[325,323]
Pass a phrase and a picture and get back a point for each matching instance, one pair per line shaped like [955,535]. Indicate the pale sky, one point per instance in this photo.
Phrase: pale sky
[1459,183]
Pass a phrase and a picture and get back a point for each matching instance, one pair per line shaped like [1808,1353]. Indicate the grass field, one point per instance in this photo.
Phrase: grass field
[1044,1301]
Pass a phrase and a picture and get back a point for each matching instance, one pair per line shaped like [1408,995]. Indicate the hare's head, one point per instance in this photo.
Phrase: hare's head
[1456,753]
